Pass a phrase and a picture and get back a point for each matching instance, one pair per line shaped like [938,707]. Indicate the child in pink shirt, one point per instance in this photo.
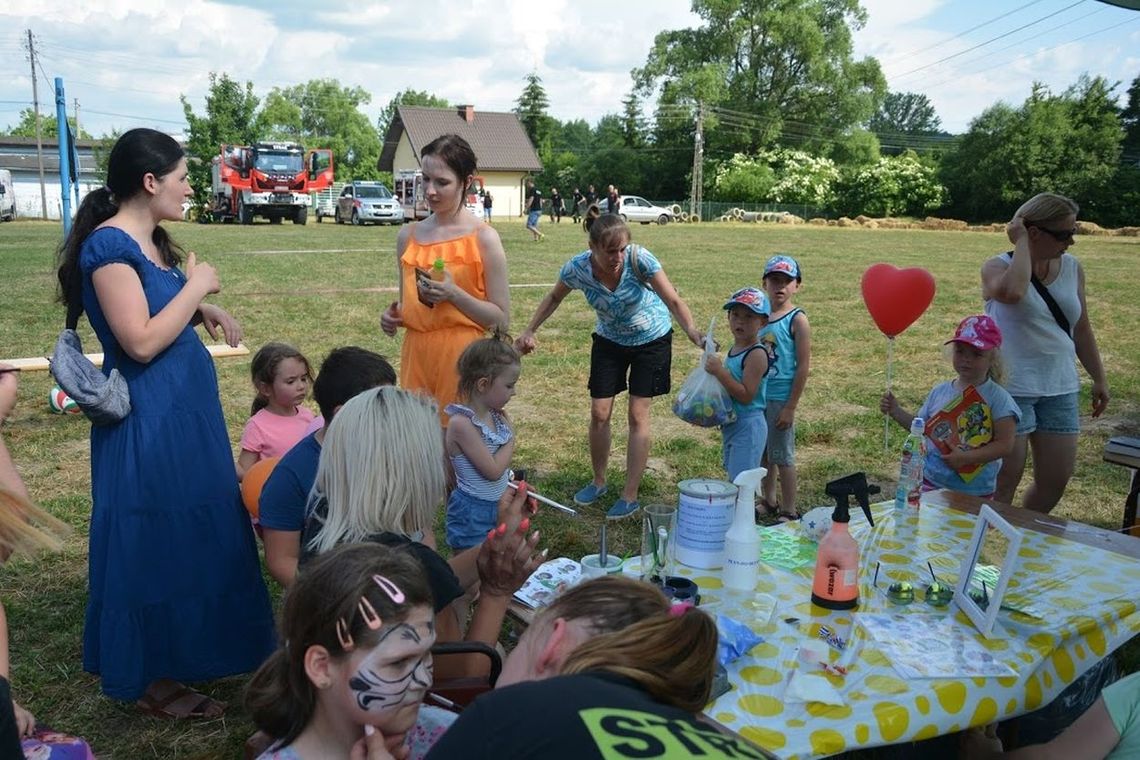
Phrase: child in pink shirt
[281,376]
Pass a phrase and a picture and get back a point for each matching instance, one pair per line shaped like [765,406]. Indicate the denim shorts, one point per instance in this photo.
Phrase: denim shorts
[532,218]
[743,443]
[1049,414]
[781,443]
[469,519]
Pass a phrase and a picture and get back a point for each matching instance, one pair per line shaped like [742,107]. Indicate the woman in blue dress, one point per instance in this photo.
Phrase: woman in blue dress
[175,586]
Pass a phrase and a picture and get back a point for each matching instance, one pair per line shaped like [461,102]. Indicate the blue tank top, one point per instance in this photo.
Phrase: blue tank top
[467,477]
[735,366]
[780,376]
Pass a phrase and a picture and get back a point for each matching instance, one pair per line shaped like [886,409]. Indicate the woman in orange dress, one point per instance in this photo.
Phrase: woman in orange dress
[452,276]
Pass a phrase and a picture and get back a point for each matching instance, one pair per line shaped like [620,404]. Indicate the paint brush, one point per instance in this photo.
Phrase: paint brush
[8,369]
[932,575]
[539,497]
[602,558]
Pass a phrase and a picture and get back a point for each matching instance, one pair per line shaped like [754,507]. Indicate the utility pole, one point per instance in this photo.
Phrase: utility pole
[39,134]
[697,191]
[77,118]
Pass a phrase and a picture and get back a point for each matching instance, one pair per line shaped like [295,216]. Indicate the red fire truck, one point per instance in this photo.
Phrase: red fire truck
[271,180]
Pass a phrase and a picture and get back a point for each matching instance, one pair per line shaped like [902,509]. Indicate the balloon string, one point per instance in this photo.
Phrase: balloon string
[890,367]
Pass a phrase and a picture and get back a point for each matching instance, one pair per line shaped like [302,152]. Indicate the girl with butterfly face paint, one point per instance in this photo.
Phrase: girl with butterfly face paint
[358,627]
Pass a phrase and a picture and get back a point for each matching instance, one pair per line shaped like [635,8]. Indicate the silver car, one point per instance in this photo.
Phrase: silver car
[634,208]
[367,203]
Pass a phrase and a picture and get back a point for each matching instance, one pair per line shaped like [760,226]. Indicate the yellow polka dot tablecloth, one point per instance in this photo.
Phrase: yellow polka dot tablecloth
[1067,606]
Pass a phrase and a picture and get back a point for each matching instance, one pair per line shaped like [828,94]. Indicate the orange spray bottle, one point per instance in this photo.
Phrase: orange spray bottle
[836,582]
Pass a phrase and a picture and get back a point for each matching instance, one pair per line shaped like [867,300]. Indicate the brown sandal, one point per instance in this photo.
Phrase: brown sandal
[787,517]
[172,700]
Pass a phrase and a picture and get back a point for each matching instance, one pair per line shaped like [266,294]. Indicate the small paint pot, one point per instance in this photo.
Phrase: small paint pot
[682,590]
[938,594]
[592,565]
[900,593]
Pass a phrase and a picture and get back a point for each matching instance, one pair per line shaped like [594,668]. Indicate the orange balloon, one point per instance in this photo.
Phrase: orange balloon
[254,481]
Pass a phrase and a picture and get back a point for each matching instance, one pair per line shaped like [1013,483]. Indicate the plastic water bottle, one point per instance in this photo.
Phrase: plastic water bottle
[910,466]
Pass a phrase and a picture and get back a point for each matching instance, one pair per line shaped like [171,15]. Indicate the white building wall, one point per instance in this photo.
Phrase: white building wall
[28,203]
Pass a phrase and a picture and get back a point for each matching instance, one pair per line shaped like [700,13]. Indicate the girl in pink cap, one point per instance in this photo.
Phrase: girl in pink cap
[970,420]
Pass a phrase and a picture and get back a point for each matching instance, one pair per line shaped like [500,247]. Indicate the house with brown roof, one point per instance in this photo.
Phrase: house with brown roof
[503,151]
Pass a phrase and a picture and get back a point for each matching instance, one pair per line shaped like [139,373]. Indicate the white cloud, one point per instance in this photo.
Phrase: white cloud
[137,57]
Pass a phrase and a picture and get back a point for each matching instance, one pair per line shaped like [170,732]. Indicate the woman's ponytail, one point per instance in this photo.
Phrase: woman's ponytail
[97,207]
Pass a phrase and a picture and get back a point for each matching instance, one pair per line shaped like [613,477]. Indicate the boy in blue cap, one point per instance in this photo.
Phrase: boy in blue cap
[790,333]
[743,373]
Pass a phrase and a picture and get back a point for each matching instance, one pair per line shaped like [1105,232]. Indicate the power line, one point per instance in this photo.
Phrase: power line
[1131,20]
[992,39]
[960,34]
[992,53]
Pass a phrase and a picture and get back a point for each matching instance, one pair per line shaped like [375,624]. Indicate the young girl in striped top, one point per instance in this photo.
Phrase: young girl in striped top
[480,441]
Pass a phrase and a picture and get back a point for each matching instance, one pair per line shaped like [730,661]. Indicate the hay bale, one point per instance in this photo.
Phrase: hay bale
[862,219]
[832,223]
[871,224]
[1091,228]
[934,223]
[1129,231]
[845,222]
[818,221]
[791,219]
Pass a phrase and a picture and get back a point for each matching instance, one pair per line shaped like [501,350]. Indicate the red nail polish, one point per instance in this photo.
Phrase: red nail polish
[502,528]
[524,524]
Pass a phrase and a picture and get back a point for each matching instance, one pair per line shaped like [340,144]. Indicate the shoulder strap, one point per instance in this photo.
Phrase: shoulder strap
[635,265]
[1054,308]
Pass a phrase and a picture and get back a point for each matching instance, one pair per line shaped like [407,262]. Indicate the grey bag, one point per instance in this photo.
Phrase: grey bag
[104,399]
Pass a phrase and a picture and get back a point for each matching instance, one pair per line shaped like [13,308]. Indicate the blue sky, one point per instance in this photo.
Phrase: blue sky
[127,61]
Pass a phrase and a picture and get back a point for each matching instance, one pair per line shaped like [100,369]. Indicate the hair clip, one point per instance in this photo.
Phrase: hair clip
[343,636]
[391,589]
[369,615]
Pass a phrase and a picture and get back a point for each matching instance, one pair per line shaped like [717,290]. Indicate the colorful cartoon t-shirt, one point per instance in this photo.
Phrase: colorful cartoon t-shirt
[964,418]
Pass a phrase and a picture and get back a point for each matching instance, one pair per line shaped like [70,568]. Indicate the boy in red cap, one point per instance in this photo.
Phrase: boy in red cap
[971,420]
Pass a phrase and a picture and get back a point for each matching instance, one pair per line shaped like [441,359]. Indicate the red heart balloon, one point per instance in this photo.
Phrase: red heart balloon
[896,297]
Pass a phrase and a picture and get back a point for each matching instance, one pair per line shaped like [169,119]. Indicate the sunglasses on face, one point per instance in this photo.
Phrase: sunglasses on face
[1061,236]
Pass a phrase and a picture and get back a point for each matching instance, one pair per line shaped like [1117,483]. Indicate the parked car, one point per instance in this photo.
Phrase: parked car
[367,203]
[7,197]
[634,208]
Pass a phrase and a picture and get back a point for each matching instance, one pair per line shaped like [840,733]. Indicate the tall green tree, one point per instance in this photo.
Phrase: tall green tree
[408,97]
[1130,120]
[906,113]
[49,127]
[633,125]
[531,107]
[229,118]
[321,113]
[1067,143]
[769,70]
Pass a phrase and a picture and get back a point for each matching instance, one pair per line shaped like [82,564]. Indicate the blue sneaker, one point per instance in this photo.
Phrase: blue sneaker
[622,509]
[589,494]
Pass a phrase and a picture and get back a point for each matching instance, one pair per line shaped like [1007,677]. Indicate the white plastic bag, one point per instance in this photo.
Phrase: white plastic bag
[702,400]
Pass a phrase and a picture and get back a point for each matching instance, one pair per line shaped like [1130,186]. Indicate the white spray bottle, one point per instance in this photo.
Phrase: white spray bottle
[742,541]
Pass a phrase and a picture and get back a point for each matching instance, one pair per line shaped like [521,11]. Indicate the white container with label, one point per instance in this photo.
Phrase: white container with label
[705,514]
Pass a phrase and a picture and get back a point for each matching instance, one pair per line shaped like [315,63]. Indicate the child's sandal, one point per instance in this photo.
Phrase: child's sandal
[787,517]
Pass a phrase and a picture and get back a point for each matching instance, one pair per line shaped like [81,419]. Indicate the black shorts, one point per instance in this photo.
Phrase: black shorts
[647,365]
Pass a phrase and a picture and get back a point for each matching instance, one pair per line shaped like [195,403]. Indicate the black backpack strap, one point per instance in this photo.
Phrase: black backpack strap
[1054,308]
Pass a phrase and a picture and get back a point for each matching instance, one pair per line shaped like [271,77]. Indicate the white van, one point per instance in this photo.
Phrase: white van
[7,197]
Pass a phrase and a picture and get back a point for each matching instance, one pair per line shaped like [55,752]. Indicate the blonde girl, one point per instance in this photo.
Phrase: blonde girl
[984,429]
[381,477]
[480,441]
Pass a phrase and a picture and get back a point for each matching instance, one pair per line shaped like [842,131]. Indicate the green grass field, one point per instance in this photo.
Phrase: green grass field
[323,286]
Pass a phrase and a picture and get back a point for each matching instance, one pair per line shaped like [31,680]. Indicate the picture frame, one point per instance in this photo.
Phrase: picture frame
[983,616]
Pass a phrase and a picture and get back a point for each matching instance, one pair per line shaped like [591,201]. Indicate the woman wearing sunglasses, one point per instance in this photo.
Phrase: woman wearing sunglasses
[1036,294]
